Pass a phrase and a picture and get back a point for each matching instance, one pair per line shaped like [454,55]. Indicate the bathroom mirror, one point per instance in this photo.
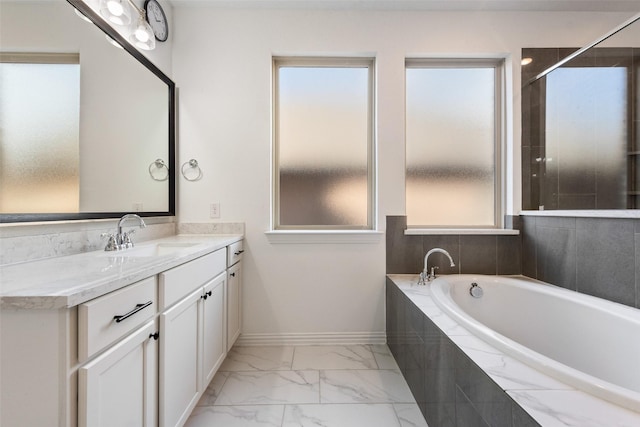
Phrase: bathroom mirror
[84,122]
[580,117]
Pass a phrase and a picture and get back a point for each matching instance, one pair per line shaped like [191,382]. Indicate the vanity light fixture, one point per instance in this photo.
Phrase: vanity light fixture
[526,61]
[116,11]
[142,34]
[119,12]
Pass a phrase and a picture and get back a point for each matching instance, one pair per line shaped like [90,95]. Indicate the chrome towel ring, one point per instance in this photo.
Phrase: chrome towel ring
[192,164]
[156,166]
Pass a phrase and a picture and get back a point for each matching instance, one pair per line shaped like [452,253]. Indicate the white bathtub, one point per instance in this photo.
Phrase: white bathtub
[587,342]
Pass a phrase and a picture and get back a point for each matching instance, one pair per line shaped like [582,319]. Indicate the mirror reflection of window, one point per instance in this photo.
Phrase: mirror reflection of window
[39,164]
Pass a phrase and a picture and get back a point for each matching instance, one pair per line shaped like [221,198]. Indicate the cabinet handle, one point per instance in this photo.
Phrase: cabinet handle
[155,336]
[136,309]
[232,274]
[239,252]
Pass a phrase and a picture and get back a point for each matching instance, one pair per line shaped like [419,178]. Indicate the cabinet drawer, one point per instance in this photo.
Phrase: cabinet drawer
[179,281]
[234,253]
[104,320]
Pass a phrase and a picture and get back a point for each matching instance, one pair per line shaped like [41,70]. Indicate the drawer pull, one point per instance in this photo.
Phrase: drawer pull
[137,308]
[232,274]
[206,295]
[239,252]
[155,336]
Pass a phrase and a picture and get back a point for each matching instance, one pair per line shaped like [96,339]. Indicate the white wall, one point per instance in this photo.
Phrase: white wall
[222,66]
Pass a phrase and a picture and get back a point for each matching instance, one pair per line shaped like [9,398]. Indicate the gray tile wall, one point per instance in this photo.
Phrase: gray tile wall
[472,254]
[450,389]
[595,256]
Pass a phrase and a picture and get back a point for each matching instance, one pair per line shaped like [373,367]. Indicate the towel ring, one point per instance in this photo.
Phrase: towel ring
[193,164]
[158,164]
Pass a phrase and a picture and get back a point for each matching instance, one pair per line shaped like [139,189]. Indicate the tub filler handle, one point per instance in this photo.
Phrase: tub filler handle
[475,290]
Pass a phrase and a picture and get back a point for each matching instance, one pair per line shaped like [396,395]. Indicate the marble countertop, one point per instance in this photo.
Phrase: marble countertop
[550,402]
[67,281]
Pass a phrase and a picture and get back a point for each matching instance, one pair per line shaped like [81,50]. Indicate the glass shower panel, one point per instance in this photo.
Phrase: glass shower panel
[323,140]
[450,146]
[586,138]
[39,165]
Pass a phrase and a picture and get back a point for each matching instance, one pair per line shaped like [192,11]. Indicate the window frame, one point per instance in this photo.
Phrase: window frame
[499,67]
[327,62]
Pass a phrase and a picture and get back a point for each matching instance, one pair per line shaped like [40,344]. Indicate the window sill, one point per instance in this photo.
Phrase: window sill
[466,231]
[323,236]
[603,213]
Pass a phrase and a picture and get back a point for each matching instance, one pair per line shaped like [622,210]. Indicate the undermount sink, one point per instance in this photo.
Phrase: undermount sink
[151,250]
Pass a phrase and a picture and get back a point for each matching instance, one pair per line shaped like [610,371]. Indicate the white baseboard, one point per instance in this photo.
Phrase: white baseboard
[335,338]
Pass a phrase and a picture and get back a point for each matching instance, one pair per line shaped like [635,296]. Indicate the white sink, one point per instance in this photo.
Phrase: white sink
[151,250]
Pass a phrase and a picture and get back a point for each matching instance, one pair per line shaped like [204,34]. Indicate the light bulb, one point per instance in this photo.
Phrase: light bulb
[115,7]
[142,35]
[116,11]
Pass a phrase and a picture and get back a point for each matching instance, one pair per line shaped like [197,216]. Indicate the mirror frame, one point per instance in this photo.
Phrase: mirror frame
[111,32]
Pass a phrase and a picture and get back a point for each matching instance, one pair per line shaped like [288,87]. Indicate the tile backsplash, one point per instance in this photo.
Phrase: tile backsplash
[479,254]
[29,242]
[595,256]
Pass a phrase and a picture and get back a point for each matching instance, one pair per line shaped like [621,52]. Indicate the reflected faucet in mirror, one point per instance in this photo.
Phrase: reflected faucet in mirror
[122,240]
[427,274]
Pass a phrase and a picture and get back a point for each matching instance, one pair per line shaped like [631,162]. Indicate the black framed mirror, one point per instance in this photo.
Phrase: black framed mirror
[98,145]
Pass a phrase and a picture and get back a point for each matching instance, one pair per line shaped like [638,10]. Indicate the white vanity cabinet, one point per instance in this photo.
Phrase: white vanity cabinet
[139,355]
[234,292]
[193,325]
[119,386]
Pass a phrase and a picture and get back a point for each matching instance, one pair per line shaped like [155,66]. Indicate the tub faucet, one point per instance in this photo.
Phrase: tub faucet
[427,274]
[122,240]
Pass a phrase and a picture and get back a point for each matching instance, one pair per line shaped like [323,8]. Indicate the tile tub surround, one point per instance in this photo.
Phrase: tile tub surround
[67,281]
[466,382]
[595,256]
[330,386]
[479,254]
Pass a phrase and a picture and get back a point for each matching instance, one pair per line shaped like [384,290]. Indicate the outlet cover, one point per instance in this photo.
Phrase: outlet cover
[214,211]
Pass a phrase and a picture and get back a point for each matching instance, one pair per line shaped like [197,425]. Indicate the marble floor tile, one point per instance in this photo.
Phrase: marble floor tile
[409,415]
[383,356]
[272,387]
[334,357]
[339,415]
[364,386]
[275,358]
[211,393]
[237,416]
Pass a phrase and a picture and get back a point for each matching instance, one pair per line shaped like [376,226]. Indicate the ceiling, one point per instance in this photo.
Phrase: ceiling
[451,5]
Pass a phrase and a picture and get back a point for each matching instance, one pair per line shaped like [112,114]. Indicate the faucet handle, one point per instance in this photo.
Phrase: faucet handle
[432,273]
[126,238]
[112,243]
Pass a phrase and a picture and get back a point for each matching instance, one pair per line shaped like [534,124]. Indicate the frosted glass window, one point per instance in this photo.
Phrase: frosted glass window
[39,165]
[452,144]
[323,147]
[586,137]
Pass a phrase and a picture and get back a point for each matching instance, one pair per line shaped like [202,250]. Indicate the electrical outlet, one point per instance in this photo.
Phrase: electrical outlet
[214,211]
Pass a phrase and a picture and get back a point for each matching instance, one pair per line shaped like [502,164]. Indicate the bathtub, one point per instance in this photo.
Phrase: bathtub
[586,342]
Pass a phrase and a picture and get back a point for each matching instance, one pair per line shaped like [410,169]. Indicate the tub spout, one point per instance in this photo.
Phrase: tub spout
[427,274]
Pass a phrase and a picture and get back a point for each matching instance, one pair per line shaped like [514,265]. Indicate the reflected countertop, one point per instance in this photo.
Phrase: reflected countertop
[67,281]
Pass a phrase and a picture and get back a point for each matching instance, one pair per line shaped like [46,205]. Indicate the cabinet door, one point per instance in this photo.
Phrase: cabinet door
[179,360]
[118,388]
[213,328]
[234,304]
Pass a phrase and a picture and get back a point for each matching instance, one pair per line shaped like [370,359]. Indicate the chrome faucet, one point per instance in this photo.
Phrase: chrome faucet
[427,274]
[122,240]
